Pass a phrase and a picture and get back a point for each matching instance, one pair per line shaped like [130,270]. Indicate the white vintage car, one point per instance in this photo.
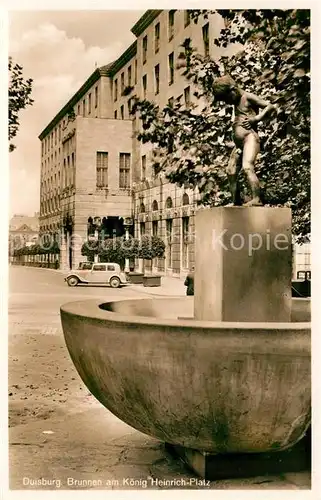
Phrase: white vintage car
[107,273]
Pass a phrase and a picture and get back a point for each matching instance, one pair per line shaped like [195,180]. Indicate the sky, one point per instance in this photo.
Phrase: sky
[59,50]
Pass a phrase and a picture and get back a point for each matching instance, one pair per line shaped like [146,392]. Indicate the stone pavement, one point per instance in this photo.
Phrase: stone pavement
[95,450]
[170,286]
[61,436]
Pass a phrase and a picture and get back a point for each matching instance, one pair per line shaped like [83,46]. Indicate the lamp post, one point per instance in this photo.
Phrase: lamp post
[128,222]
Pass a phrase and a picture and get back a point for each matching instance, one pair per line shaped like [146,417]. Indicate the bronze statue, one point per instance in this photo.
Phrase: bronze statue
[246,138]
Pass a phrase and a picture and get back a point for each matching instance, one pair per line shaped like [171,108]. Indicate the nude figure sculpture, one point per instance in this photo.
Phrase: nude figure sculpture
[247,143]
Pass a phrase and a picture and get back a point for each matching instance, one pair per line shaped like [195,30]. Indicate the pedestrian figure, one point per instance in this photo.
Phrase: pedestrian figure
[189,282]
[245,135]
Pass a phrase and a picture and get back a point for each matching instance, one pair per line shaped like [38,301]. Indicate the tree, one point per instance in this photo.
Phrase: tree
[193,145]
[19,93]
[111,249]
[151,247]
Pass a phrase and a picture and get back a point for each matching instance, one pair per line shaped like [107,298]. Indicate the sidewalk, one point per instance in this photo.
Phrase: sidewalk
[170,287]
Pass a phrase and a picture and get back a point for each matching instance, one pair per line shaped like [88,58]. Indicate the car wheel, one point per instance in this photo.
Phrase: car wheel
[114,282]
[72,281]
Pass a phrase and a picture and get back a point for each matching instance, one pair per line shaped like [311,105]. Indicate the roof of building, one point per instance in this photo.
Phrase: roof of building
[107,70]
[142,23]
[24,223]
[102,71]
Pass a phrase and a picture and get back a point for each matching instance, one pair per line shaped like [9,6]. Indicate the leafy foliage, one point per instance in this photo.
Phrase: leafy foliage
[193,144]
[151,247]
[37,249]
[118,249]
[19,94]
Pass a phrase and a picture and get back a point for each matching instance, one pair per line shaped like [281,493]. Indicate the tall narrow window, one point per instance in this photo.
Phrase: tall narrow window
[157,37]
[155,228]
[185,242]
[115,90]
[129,76]
[73,169]
[129,106]
[144,86]
[122,112]
[122,82]
[187,97]
[84,108]
[169,235]
[206,41]
[78,110]
[171,18]
[115,114]
[101,169]
[171,68]
[89,104]
[145,43]
[135,71]
[143,167]
[142,228]
[187,18]
[124,170]
[156,75]
[96,97]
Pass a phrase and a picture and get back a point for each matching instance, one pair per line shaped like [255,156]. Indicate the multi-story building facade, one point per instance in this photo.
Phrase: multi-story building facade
[93,165]
[23,231]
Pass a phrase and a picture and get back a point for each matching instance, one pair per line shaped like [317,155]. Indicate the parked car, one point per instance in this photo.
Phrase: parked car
[107,273]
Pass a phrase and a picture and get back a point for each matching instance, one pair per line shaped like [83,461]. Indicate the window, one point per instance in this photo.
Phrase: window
[156,74]
[145,42]
[169,230]
[111,268]
[115,90]
[129,106]
[124,170]
[144,86]
[135,71]
[187,97]
[99,267]
[171,17]
[155,228]
[142,228]
[122,82]
[78,110]
[142,208]
[185,241]
[171,68]
[89,104]
[155,206]
[101,169]
[129,76]
[157,37]
[169,202]
[96,97]
[206,41]
[84,108]
[122,112]
[59,129]
[187,18]
[143,167]
[185,200]
[115,114]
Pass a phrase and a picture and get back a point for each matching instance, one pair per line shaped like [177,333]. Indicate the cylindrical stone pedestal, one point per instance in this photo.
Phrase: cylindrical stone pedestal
[243,264]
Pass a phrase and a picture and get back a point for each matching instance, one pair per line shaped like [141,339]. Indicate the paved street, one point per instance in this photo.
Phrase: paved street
[60,436]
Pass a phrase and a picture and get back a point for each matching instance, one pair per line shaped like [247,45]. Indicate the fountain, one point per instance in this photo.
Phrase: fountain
[223,380]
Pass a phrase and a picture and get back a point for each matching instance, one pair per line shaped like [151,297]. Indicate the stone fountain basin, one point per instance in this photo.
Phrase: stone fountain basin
[218,387]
